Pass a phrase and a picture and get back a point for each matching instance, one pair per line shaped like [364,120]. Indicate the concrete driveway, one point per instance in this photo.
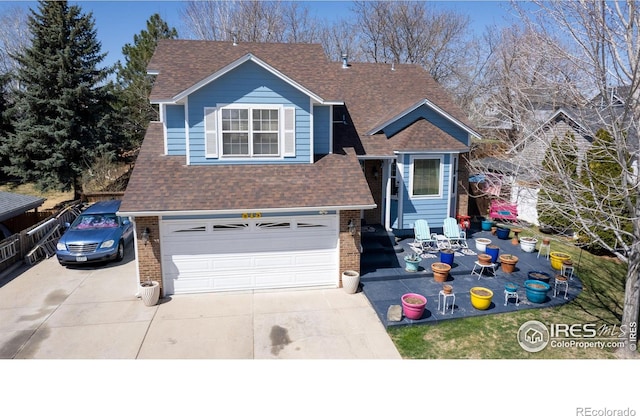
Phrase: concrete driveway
[49,311]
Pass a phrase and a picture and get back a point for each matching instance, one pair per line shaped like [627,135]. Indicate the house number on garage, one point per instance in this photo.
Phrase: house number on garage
[251,215]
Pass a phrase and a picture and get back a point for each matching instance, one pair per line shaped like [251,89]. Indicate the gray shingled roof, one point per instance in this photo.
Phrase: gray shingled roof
[162,183]
[372,92]
[12,204]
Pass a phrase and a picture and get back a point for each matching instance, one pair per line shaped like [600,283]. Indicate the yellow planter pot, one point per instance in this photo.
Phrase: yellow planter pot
[481,297]
[557,258]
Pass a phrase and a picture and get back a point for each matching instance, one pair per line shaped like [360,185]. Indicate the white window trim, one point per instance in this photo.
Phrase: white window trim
[441,179]
[281,131]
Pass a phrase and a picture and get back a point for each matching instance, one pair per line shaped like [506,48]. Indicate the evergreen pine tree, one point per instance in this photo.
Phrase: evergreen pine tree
[5,124]
[604,205]
[560,163]
[62,99]
[134,82]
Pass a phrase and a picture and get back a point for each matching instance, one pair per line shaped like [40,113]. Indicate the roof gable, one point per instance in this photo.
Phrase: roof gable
[249,57]
[182,65]
[424,102]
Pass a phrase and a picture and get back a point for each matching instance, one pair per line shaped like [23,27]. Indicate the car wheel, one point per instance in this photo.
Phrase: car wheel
[120,255]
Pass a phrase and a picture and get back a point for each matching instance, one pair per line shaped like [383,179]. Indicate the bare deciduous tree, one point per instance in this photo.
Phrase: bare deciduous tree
[601,187]
[522,77]
[413,32]
[250,21]
[14,36]
[207,20]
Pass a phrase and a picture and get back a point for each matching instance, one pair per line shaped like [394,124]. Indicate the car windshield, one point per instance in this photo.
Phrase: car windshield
[91,222]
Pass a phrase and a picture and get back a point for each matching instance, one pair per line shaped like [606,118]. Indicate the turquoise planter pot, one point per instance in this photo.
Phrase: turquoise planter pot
[410,265]
[536,290]
[486,225]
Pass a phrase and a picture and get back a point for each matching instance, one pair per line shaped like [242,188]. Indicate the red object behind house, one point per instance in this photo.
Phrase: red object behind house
[503,211]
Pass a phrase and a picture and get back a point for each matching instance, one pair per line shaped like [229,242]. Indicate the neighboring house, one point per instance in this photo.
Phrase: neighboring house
[527,156]
[268,158]
[513,177]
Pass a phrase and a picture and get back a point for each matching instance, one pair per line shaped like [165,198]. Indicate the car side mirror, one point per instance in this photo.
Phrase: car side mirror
[67,225]
[126,222]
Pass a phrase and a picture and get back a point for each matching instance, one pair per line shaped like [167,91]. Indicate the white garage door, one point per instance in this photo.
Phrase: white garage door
[262,253]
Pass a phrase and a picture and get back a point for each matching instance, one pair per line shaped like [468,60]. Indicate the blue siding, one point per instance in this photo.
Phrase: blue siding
[321,129]
[432,210]
[176,136]
[432,117]
[248,84]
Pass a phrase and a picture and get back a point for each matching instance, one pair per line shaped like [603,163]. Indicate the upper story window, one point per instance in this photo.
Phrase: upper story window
[250,131]
[426,177]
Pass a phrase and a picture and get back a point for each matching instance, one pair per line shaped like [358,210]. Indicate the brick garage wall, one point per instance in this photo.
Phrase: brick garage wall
[149,255]
[349,244]
[371,168]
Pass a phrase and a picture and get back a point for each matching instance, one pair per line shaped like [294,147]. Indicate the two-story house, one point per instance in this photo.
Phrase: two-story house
[267,158]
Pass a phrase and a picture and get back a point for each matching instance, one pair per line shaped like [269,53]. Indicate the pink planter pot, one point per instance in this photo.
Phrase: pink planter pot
[411,308]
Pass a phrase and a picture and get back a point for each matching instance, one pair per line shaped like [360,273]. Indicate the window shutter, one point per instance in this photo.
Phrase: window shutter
[289,132]
[211,132]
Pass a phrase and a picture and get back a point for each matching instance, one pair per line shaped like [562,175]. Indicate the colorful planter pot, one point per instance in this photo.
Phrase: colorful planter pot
[528,244]
[557,258]
[411,265]
[413,305]
[540,276]
[440,271]
[446,256]
[508,263]
[511,287]
[503,233]
[482,243]
[493,251]
[536,290]
[486,225]
[481,297]
[484,258]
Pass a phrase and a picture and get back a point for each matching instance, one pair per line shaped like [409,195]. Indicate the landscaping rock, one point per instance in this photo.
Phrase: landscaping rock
[394,313]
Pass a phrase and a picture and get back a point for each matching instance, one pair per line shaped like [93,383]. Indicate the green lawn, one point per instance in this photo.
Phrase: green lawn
[495,336]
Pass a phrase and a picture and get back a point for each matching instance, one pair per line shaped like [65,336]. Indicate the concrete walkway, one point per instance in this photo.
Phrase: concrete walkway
[49,311]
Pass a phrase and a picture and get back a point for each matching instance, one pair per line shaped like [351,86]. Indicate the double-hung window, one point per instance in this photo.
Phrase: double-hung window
[426,177]
[266,128]
[235,132]
[246,131]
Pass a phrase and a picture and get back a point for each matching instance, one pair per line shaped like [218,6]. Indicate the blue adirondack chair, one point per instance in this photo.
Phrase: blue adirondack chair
[454,233]
[423,235]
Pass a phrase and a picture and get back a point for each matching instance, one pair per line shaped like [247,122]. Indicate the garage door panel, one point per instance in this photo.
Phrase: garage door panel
[215,255]
[275,260]
[190,263]
[310,277]
[251,246]
[318,259]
